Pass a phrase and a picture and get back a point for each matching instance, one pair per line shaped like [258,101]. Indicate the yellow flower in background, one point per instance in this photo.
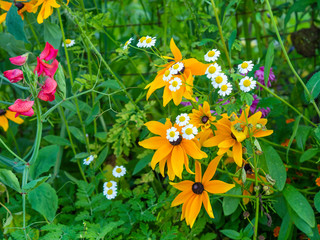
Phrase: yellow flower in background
[46,9]
[21,5]
[4,6]
[5,115]
[202,117]
[195,193]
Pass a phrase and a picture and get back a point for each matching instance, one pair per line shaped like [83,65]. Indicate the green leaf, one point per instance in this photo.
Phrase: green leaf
[268,64]
[275,166]
[295,129]
[299,204]
[8,178]
[231,40]
[61,81]
[112,84]
[57,140]
[77,134]
[52,34]
[44,200]
[102,157]
[11,45]
[313,86]
[317,133]
[300,224]
[46,159]
[247,98]
[35,183]
[231,233]
[230,204]
[15,24]
[317,201]
[285,228]
[109,227]
[310,153]
[93,114]
[142,163]
[302,136]
[298,6]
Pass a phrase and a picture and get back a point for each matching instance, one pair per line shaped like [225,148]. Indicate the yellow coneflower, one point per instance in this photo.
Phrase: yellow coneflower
[7,114]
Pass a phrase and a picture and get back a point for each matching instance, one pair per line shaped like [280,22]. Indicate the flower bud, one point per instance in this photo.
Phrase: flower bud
[270,179]
[14,75]
[19,60]
[259,126]
[259,152]
[256,188]
[265,188]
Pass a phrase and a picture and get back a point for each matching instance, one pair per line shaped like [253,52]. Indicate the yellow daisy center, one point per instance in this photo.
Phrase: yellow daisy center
[119,170]
[224,88]
[246,83]
[212,70]
[244,65]
[148,40]
[126,43]
[109,184]
[189,131]
[174,83]
[176,66]
[219,79]
[172,134]
[68,41]
[110,191]
[142,39]
[167,73]
[211,54]
[87,159]
[182,119]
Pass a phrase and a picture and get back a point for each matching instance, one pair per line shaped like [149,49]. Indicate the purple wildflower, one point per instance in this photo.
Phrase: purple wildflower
[253,107]
[259,74]
[188,103]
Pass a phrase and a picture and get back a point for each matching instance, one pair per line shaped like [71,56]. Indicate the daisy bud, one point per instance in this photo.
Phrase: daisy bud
[238,127]
[232,118]
[250,125]
[256,188]
[266,188]
[246,214]
[259,152]
[244,150]
[264,128]
[259,126]
[270,179]
[268,192]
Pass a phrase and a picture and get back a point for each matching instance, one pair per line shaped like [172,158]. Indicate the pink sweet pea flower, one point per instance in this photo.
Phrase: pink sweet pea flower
[22,107]
[48,52]
[14,75]
[48,90]
[46,69]
[19,60]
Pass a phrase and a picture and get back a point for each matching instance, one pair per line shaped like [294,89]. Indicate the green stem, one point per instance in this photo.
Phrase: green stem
[33,32]
[9,150]
[288,59]
[221,35]
[246,31]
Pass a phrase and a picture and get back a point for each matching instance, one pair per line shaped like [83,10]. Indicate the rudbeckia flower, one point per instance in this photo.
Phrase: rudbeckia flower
[247,84]
[202,117]
[7,114]
[21,5]
[195,193]
[191,67]
[46,9]
[172,148]
[233,133]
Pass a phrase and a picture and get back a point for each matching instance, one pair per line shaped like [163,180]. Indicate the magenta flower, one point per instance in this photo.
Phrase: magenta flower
[19,60]
[22,107]
[48,90]
[48,52]
[14,75]
[253,107]
[46,69]
[259,74]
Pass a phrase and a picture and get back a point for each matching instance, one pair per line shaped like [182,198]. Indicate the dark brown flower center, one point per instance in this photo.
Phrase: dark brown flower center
[197,188]
[19,5]
[2,112]
[176,142]
[233,136]
[204,119]
[180,72]
[248,168]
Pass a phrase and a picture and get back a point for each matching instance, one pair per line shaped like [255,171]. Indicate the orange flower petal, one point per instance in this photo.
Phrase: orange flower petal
[11,115]
[153,142]
[181,198]
[156,84]
[222,151]
[211,169]
[167,95]
[263,133]
[185,207]
[214,141]
[197,68]
[162,153]
[183,186]
[170,171]
[175,51]
[157,128]
[192,150]
[227,143]
[194,209]
[198,172]
[186,163]
[207,204]
[237,153]
[162,164]
[177,160]
[4,123]
[217,186]
[177,95]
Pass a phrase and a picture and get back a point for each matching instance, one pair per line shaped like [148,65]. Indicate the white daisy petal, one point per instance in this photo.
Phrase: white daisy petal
[150,42]
[182,119]
[219,79]
[225,89]
[245,67]
[109,185]
[167,75]
[172,134]
[189,132]
[177,68]
[213,70]
[110,193]
[88,160]
[69,43]
[141,43]
[212,55]
[119,171]
[247,84]
[175,84]
[127,43]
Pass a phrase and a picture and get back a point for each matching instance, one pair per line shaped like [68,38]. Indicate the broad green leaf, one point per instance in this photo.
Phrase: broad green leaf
[93,114]
[77,134]
[142,163]
[295,129]
[8,178]
[15,24]
[317,133]
[231,233]
[285,228]
[11,45]
[231,39]
[313,86]
[112,84]
[57,140]
[268,64]
[300,224]
[35,183]
[299,204]
[317,201]
[246,97]
[52,34]
[102,157]
[310,153]
[61,81]
[230,204]
[44,200]
[46,159]
[275,166]
[302,136]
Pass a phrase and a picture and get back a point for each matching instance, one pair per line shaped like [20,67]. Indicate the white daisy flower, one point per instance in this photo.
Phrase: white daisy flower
[150,41]
[88,160]
[110,185]
[212,55]
[167,75]
[225,89]
[127,43]
[177,68]
[182,119]
[189,131]
[175,84]
[213,70]
[219,79]
[69,43]
[245,67]
[247,84]
[172,134]
[110,193]
[119,171]
[141,42]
